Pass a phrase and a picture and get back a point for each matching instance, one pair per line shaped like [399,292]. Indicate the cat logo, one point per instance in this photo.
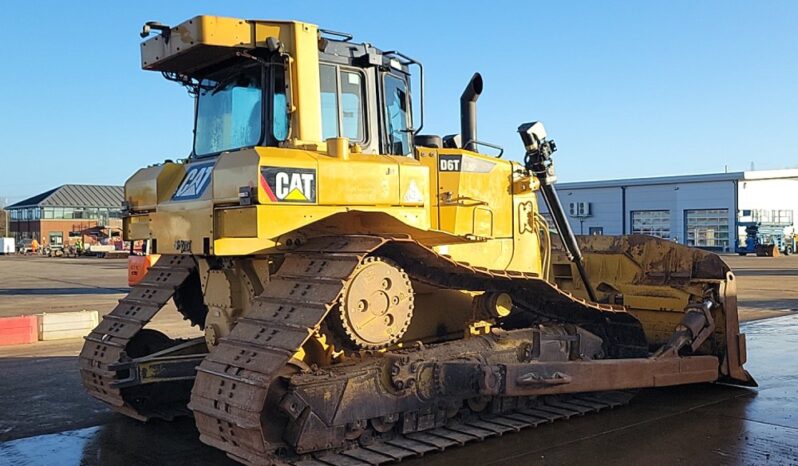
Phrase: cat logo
[198,177]
[289,184]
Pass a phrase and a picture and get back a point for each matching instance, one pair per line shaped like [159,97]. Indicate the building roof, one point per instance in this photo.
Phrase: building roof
[76,195]
[682,179]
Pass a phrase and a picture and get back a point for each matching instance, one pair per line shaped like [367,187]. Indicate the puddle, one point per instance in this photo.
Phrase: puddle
[64,448]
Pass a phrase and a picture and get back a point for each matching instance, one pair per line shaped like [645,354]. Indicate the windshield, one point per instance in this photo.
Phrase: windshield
[229,111]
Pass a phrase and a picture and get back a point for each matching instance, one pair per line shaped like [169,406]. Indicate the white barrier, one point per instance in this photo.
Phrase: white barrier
[60,325]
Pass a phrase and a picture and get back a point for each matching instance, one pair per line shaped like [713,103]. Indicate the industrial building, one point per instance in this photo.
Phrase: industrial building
[708,211]
[68,213]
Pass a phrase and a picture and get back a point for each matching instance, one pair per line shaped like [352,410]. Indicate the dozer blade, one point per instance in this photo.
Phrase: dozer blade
[657,280]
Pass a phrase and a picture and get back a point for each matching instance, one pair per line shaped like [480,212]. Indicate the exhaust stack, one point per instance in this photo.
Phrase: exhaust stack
[468,112]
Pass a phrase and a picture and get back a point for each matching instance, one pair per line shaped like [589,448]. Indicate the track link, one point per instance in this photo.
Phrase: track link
[106,344]
[470,429]
[233,383]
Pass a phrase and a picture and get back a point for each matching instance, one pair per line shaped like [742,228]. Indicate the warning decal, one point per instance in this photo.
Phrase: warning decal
[289,184]
[413,194]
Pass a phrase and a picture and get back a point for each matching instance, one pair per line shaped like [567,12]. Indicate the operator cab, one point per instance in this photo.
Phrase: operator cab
[244,91]
[365,96]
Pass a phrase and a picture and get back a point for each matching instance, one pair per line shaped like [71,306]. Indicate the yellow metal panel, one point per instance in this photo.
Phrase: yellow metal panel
[276,220]
[136,227]
[212,30]
[184,221]
[482,222]
[526,242]
[493,254]
[279,30]
[414,180]
[201,32]
[233,171]
[361,180]
[476,181]
[149,186]
[305,84]
[300,41]
[237,222]
[429,159]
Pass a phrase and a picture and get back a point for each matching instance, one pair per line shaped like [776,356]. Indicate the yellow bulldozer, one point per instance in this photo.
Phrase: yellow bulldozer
[368,293]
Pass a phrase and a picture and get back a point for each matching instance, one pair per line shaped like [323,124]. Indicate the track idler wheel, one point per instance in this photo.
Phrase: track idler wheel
[376,305]
[146,342]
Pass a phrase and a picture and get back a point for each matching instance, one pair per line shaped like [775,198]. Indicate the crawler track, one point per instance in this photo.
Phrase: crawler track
[107,344]
[473,428]
[233,383]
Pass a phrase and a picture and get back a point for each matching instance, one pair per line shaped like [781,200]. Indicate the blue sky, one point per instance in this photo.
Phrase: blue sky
[627,89]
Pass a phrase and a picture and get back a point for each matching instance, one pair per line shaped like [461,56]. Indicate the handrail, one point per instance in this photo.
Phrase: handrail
[486,144]
[347,37]
[411,61]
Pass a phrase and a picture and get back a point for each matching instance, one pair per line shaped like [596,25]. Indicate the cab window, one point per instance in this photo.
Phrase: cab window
[229,111]
[329,102]
[280,118]
[342,103]
[396,108]
[352,105]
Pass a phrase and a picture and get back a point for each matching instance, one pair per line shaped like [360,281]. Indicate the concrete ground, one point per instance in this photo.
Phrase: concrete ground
[32,285]
[766,286]
[45,418]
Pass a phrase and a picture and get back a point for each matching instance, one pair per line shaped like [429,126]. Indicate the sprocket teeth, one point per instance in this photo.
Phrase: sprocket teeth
[345,315]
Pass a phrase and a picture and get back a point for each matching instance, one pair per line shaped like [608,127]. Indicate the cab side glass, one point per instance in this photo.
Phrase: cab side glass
[352,106]
[396,115]
[280,107]
[329,102]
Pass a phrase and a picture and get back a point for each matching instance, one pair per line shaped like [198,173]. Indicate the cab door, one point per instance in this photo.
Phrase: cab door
[396,115]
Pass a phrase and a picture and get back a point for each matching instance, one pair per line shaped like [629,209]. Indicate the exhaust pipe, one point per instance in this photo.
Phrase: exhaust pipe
[468,112]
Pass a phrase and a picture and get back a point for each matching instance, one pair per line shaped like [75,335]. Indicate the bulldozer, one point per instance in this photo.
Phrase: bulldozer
[365,292]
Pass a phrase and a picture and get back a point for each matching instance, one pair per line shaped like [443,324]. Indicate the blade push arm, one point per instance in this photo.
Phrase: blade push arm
[538,161]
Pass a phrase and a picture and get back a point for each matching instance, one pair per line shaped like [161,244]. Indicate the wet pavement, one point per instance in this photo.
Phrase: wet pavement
[693,425]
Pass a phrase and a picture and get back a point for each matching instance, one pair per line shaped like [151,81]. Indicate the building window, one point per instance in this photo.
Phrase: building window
[56,238]
[707,228]
[652,222]
[775,217]
[595,231]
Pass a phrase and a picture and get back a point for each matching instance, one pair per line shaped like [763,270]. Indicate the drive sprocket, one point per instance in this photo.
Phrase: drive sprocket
[376,305]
